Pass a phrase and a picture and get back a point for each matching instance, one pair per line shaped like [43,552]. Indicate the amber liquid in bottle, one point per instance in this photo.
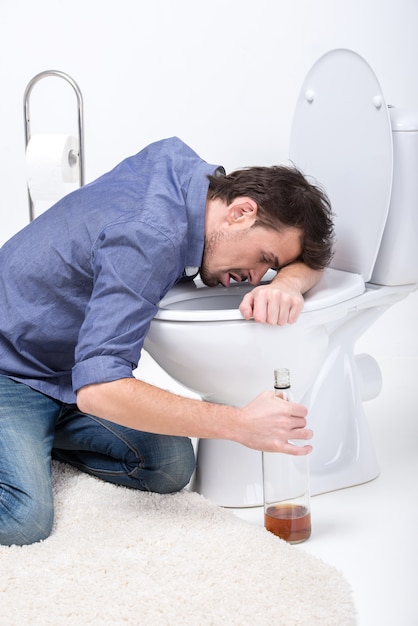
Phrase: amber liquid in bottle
[291,522]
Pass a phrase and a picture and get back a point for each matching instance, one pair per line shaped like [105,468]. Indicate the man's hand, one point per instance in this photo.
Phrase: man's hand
[273,304]
[269,422]
[281,301]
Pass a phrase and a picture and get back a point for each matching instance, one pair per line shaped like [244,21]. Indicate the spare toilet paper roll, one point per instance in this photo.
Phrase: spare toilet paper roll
[52,161]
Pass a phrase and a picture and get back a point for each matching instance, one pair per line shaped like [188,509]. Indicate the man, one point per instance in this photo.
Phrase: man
[79,287]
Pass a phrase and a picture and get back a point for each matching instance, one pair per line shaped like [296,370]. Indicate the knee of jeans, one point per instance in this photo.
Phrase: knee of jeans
[177,469]
[23,520]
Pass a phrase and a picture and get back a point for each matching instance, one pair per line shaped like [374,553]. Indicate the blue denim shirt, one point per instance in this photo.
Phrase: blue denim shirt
[80,285]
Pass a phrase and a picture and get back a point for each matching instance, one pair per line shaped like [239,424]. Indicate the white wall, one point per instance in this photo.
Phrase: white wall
[222,75]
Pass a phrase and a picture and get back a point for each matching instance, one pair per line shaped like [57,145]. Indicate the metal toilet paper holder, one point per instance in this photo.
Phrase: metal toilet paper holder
[79,97]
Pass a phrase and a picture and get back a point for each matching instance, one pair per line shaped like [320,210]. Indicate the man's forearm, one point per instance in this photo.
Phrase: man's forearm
[136,404]
[266,423]
[298,275]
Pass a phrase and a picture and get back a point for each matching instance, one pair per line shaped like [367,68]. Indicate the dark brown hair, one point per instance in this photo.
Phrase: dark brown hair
[284,199]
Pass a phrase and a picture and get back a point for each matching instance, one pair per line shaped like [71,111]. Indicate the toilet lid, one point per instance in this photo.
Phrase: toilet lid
[341,137]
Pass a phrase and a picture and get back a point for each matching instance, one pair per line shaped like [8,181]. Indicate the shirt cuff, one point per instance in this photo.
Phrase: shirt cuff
[100,369]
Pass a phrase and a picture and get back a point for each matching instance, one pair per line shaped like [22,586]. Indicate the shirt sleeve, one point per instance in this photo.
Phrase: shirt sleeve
[134,265]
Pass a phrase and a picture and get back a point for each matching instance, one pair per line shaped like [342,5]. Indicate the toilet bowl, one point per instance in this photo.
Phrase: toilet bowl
[365,156]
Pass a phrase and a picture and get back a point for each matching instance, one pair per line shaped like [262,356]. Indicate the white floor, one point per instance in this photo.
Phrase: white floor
[370,532]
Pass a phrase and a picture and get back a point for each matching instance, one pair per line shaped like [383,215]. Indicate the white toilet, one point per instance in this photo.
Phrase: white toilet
[366,157]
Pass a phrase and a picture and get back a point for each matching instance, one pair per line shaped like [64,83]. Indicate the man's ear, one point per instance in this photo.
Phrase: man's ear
[242,211]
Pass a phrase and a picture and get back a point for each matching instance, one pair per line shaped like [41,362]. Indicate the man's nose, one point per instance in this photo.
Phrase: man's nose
[255,276]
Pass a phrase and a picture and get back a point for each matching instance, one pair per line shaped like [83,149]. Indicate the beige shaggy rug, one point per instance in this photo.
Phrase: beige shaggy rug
[118,556]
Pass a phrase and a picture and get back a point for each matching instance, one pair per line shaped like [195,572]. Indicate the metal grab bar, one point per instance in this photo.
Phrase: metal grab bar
[79,97]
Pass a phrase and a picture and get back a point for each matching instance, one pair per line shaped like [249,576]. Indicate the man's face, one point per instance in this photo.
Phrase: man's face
[247,254]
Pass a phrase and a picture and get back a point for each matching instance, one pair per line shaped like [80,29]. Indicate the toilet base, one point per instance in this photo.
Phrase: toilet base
[343,455]
[230,475]
[326,377]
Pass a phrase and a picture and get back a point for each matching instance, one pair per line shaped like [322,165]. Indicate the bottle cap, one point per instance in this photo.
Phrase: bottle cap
[281,378]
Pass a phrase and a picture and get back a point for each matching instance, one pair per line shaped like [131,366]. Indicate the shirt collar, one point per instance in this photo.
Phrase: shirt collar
[191,271]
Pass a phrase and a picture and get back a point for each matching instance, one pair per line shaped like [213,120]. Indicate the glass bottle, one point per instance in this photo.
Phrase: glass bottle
[287,511]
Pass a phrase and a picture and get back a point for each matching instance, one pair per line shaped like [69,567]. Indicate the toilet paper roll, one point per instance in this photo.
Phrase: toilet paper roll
[52,161]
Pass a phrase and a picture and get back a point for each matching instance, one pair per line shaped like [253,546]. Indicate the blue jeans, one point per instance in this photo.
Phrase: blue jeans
[35,427]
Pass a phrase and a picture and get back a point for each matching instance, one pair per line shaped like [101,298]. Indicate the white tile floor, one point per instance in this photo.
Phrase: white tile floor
[370,532]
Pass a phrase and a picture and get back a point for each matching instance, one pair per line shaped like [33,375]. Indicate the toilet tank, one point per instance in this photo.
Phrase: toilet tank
[397,259]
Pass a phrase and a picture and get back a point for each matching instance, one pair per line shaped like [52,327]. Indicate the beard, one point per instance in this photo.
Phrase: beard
[210,280]
[209,249]
[216,242]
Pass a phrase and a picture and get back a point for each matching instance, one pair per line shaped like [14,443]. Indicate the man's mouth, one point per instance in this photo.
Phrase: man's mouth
[238,278]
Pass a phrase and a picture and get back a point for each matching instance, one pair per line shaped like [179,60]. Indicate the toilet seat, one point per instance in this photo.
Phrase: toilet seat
[194,302]
[334,287]
[342,138]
